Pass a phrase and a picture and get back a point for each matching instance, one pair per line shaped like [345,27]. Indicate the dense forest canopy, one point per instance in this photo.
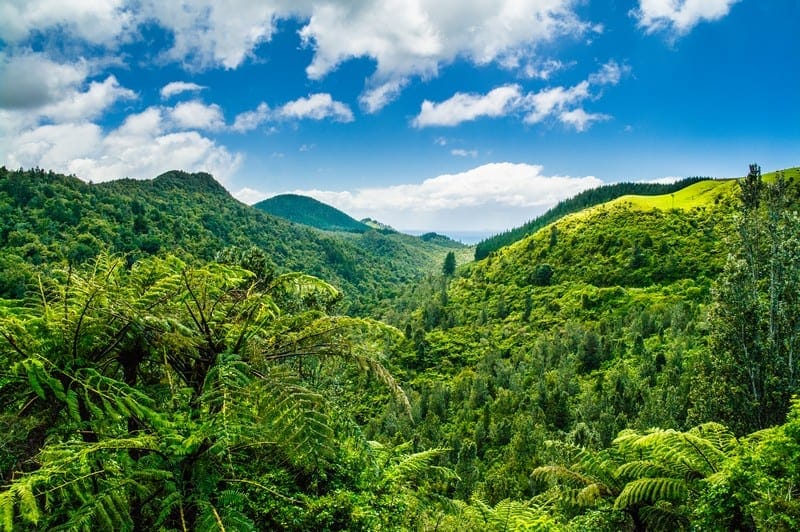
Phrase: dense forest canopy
[49,218]
[175,360]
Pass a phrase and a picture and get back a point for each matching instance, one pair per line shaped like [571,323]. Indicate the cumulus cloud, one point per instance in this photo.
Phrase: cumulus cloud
[208,33]
[458,152]
[316,107]
[554,100]
[544,69]
[580,119]
[561,103]
[376,98]
[98,22]
[197,115]
[405,39]
[250,195]
[89,104]
[56,131]
[491,197]
[250,120]
[29,80]
[177,87]
[678,16]
[143,146]
[463,107]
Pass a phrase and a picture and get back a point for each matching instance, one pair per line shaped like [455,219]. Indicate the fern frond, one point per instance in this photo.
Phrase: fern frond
[293,417]
[664,517]
[650,490]
[642,468]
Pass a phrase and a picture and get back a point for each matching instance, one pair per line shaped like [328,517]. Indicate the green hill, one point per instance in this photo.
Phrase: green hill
[308,211]
[48,218]
[595,323]
[577,203]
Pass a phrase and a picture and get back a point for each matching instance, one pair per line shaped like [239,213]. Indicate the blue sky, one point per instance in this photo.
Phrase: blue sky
[454,116]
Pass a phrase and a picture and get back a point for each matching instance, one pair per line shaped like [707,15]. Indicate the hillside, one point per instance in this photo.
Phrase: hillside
[577,203]
[594,324]
[629,366]
[47,218]
[308,211]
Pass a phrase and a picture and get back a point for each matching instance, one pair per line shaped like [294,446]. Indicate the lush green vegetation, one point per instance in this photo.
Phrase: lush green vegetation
[308,211]
[579,202]
[46,219]
[631,366]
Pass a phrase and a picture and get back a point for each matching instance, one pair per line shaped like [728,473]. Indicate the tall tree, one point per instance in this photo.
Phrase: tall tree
[449,266]
[750,372]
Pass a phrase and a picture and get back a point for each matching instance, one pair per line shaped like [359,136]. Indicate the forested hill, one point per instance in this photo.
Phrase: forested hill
[583,200]
[545,366]
[47,218]
[308,211]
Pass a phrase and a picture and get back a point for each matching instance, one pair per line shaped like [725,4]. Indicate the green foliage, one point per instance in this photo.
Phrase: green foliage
[750,370]
[757,488]
[308,211]
[449,265]
[577,203]
[47,219]
[163,388]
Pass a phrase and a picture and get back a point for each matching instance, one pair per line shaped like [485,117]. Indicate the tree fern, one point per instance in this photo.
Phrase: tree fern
[650,490]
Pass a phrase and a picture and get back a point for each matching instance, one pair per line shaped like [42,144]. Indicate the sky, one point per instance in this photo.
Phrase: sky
[465,117]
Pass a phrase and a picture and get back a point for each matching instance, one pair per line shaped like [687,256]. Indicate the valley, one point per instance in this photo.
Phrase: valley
[174,356]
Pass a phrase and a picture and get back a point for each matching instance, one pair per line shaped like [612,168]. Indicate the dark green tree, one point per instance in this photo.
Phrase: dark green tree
[449,266]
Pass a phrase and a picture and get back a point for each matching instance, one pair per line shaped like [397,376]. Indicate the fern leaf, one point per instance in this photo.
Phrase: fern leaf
[28,507]
[650,490]
[7,503]
[663,517]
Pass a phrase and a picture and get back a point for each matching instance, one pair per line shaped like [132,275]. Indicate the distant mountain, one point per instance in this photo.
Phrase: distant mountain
[308,211]
[48,218]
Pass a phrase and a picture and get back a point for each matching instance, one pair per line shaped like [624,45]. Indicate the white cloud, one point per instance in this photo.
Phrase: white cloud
[405,39]
[376,98]
[250,195]
[609,74]
[197,115]
[208,33]
[177,87]
[544,69]
[250,120]
[668,180]
[97,22]
[678,16]
[494,196]
[416,38]
[30,80]
[554,100]
[562,103]
[458,152]
[144,146]
[580,119]
[317,107]
[90,104]
[463,107]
